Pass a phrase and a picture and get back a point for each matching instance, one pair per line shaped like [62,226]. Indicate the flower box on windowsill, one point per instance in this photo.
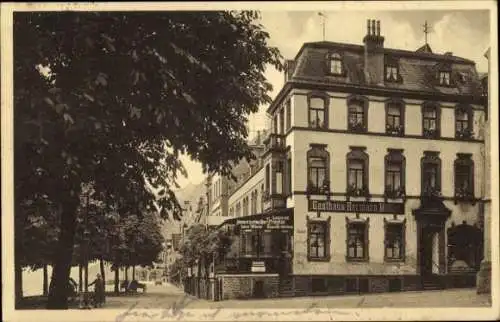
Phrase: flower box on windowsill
[357,127]
[315,190]
[430,133]
[391,193]
[357,192]
[317,124]
[464,134]
[462,195]
[394,129]
[432,194]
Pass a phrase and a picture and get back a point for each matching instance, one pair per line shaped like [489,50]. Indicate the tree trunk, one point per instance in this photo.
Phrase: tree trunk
[86,277]
[58,294]
[126,273]
[18,282]
[133,272]
[103,273]
[19,222]
[80,278]
[117,280]
[45,280]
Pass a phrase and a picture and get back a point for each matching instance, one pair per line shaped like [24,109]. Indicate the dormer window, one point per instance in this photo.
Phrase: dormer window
[391,69]
[444,78]
[391,73]
[335,64]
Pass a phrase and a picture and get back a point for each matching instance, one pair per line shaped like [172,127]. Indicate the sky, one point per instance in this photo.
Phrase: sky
[465,33]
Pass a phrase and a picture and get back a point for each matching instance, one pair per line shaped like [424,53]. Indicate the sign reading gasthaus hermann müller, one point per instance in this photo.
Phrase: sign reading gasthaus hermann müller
[356,206]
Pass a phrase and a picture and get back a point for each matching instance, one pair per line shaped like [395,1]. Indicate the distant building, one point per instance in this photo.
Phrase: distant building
[369,180]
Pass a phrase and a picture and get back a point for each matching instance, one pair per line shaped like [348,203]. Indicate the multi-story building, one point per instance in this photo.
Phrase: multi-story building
[370,179]
[484,275]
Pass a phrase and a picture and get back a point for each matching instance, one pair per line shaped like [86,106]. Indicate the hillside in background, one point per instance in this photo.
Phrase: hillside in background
[191,193]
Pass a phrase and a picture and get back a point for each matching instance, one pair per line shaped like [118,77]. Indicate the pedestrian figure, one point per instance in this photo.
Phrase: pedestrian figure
[98,291]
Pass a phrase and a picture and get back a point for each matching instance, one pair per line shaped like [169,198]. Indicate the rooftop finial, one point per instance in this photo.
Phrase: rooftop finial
[322,15]
[427,30]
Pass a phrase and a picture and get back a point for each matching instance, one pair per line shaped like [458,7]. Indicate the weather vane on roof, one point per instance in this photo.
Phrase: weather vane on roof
[322,15]
[427,30]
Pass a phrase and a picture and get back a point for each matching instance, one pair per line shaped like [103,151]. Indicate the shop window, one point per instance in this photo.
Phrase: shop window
[318,240]
[465,250]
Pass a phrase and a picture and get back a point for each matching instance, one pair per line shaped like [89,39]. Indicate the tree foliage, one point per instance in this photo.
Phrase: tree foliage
[113,99]
[201,245]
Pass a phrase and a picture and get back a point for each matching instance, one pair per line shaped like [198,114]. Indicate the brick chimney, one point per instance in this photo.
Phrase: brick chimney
[374,53]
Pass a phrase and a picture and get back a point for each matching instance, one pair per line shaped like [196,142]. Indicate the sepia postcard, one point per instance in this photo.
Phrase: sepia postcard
[244,161]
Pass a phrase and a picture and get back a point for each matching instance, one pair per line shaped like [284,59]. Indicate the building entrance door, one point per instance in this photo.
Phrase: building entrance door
[426,251]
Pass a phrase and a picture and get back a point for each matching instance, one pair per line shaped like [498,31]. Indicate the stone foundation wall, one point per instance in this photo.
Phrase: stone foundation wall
[341,284]
[246,286]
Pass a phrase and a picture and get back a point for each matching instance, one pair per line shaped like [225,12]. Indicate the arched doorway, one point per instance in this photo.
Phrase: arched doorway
[465,243]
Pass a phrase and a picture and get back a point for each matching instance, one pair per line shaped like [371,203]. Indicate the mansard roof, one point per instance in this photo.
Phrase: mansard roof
[418,70]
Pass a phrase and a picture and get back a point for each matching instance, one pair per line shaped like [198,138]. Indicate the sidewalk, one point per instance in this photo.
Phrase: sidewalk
[440,298]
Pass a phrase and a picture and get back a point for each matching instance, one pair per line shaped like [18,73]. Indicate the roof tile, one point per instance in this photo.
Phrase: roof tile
[418,69]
